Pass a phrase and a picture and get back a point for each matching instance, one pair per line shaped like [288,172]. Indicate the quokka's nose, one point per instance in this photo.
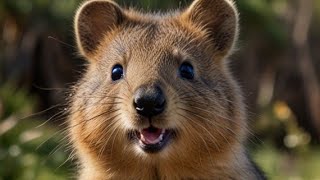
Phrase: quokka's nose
[149,101]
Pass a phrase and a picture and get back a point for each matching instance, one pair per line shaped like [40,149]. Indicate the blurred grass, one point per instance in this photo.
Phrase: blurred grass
[25,151]
[22,157]
[303,164]
[286,150]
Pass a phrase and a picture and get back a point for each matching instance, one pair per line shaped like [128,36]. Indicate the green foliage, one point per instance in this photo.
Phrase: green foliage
[54,13]
[260,16]
[281,164]
[24,157]
[25,153]
[14,101]
[317,12]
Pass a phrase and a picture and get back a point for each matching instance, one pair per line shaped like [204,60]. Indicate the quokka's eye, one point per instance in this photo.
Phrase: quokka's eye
[117,72]
[186,71]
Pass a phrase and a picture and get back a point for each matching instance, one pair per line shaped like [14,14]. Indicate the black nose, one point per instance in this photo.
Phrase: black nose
[149,101]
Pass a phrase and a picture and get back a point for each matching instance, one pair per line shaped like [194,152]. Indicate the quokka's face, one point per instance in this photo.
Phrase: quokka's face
[156,86]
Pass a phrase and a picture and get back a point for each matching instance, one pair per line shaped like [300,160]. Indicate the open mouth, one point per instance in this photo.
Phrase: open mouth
[153,139]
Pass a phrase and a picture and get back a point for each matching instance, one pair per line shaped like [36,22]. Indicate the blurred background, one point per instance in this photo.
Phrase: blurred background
[277,65]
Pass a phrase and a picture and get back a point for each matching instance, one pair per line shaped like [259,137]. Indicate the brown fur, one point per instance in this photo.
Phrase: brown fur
[207,112]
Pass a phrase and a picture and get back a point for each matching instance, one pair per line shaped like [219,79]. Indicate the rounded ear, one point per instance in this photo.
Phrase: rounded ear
[93,21]
[219,18]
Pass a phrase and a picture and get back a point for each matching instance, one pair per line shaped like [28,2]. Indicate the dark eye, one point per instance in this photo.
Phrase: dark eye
[117,72]
[186,71]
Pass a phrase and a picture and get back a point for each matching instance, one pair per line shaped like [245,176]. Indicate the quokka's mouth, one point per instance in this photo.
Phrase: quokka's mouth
[153,139]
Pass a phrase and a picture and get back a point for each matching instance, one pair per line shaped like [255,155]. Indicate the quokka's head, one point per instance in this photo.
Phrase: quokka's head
[157,85]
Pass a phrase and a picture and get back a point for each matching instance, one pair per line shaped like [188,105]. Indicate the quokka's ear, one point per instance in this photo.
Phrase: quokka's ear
[219,18]
[93,21]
